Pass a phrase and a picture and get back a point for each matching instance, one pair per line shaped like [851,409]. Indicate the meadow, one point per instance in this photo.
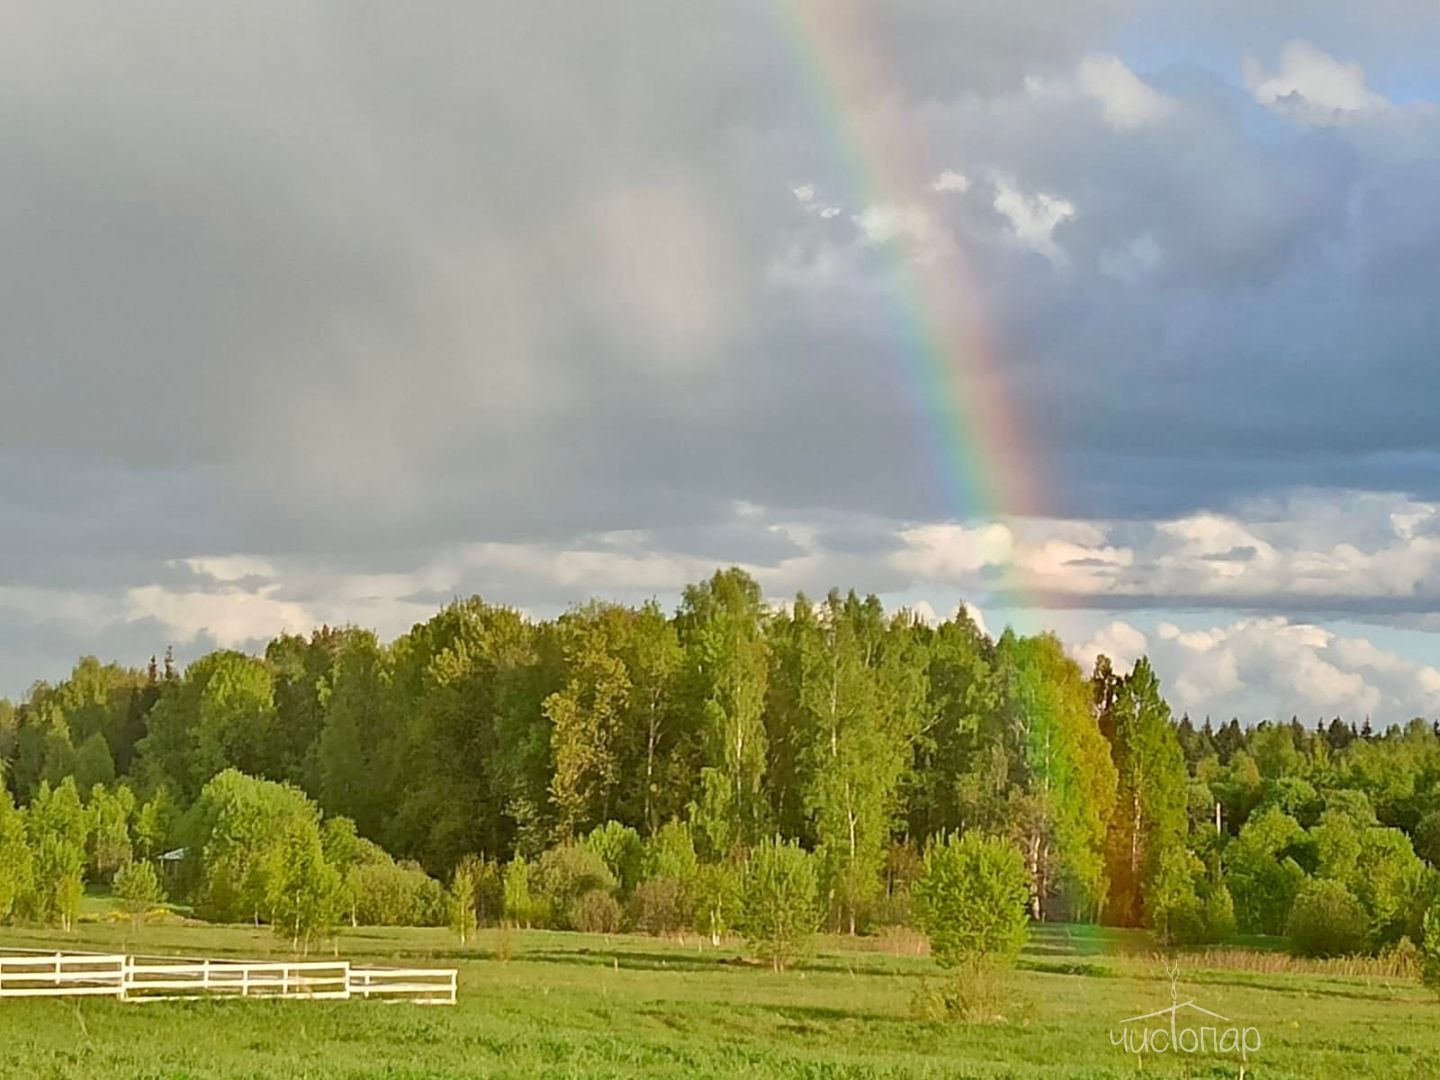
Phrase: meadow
[553,1004]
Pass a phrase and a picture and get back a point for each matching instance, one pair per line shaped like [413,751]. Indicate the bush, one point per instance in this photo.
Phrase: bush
[396,894]
[779,913]
[671,853]
[1171,907]
[971,900]
[658,906]
[520,908]
[1430,949]
[595,912]
[719,899]
[565,873]
[1219,915]
[1327,920]
[138,887]
[622,851]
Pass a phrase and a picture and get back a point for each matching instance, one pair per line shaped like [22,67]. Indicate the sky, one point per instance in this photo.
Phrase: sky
[329,313]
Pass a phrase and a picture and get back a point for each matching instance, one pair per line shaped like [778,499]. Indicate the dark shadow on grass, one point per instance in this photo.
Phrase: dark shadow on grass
[1074,967]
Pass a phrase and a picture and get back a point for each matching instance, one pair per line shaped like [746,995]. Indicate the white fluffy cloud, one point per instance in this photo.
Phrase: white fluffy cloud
[1033,217]
[1274,668]
[1127,101]
[1343,551]
[1312,86]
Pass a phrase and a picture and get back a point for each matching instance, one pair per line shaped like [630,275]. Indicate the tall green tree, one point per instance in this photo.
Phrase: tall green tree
[1149,818]
[56,829]
[722,626]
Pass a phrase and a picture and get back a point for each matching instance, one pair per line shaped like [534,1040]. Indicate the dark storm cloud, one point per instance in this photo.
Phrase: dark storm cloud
[350,287]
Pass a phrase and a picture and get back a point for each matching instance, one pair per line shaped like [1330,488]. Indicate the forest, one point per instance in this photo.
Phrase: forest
[619,767]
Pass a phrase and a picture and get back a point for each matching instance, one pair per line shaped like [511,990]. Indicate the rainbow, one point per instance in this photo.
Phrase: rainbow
[952,370]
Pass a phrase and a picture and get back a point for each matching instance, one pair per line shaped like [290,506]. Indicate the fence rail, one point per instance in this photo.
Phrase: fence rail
[424,986]
[26,973]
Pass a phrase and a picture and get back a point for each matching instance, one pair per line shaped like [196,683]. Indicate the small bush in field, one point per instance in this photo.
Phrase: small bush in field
[658,906]
[1327,920]
[779,913]
[565,873]
[595,912]
[971,900]
[139,889]
[1430,949]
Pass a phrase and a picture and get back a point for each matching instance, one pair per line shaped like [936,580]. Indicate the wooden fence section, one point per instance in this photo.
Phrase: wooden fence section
[424,986]
[62,975]
[128,978]
[166,981]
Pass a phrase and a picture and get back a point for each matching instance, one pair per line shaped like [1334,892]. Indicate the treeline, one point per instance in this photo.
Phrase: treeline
[617,766]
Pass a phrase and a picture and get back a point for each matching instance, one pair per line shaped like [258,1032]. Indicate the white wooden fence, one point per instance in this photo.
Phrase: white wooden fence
[129,978]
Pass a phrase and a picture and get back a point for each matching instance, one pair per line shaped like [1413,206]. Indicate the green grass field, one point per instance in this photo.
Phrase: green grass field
[581,1006]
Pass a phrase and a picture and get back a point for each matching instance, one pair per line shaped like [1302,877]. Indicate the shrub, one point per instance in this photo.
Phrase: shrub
[595,912]
[138,887]
[1171,906]
[520,907]
[1427,838]
[622,851]
[396,894]
[971,900]
[1327,920]
[462,903]
[1262,872]
[1219,914]
[719,897]
[779,912]
[1430,949]
[565,873]
[658,906]
[671,853]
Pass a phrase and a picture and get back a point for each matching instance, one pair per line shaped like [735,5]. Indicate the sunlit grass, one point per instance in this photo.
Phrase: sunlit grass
[622,1006]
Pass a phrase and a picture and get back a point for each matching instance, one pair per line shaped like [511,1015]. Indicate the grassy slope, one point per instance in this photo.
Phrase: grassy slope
[583,1006]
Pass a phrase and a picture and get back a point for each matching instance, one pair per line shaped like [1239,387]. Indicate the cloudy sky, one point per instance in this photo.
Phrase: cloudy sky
[333,311]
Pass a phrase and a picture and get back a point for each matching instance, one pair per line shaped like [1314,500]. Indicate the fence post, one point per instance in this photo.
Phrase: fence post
[245,981]
[57,982]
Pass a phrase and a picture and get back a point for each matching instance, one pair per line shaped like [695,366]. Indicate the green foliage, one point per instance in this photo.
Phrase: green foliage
[621,850]
[154,826]
[16,881]
[1327,920]
[519,906]
[234,827]
[659,906]
[719,896]
[779,913]
[1427,838]
[1262,873]
[1149,820]
[567,872]
[396,894]
[595,912]
[110,846]
[971,900]
[138,886]
[56,828]
[461,903]
[1430,948]
[1172,907]
[1070,778]
[304,897]
[837,726]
